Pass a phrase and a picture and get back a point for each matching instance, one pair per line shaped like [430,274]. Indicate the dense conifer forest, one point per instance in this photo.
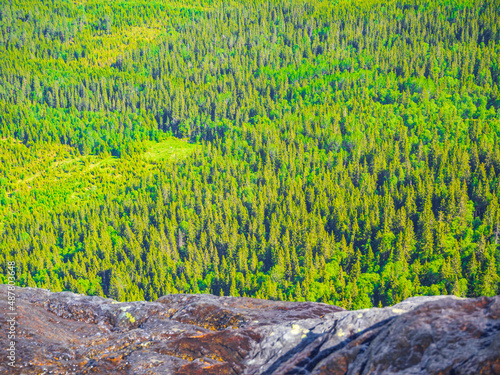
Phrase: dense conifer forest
[337,151]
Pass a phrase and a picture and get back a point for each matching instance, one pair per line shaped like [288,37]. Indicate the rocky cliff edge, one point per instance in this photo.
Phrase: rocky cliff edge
[67,333]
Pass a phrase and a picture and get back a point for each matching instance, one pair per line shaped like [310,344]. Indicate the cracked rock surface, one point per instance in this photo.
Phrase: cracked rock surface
[67,333]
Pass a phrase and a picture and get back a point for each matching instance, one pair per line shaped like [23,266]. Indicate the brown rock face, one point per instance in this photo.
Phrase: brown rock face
[66,333]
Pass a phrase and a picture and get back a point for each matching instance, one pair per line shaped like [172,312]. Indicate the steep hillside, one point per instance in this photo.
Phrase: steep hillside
[345,152]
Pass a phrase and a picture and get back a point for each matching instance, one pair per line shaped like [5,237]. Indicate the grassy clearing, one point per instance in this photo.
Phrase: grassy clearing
[106,48]
[170,149]
[56,176]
